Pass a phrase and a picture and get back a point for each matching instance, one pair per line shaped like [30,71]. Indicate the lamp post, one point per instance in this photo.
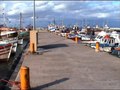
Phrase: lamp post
[34,16]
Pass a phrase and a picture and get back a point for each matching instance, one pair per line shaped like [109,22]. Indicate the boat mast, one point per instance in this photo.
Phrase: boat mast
[62,22]
[20,20]
[54,22]
[84,23]
[4,18]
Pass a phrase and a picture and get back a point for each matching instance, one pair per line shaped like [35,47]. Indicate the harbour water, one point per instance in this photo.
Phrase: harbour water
[7,68]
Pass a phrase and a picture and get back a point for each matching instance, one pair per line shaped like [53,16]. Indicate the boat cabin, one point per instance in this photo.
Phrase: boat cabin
[8,34]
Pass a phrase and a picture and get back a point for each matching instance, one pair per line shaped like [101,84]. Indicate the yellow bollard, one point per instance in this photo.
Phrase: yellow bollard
[97,47]
[76,39]
[24,78]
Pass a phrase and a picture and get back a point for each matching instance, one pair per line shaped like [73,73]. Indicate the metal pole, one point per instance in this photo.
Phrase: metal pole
[34,17]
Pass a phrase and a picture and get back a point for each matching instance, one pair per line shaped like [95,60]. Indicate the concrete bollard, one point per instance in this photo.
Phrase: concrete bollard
[97,49]
[24,78]
[33,41]
[76,39]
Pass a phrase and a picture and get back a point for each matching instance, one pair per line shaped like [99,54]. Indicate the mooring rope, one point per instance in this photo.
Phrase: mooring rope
[16,83]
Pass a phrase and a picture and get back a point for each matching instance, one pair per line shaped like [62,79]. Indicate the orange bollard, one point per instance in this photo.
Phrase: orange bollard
[73,39]
[97,47]
[66,36]
[32,48]
[76,39]
[24,78]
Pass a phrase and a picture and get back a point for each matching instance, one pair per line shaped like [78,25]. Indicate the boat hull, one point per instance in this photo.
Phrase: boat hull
[20,41]
[5,52]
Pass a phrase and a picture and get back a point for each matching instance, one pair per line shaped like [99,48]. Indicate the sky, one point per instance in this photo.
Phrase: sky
[70,12]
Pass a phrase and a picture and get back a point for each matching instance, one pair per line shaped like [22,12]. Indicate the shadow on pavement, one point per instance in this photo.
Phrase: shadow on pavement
[53,46]
[50,84]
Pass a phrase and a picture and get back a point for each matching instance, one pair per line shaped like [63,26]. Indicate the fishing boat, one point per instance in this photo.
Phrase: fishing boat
[10,37]
[52,28]
[20,41]
[116,50]
[5,50]
[115,35]
[64,32]
[71,36]
[84,37]
[22,36]
[105,40]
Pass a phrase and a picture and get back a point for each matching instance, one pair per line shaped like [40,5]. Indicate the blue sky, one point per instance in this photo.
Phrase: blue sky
[46,11]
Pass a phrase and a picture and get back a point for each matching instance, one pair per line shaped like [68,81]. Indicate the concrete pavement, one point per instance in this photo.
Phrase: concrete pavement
[67,65]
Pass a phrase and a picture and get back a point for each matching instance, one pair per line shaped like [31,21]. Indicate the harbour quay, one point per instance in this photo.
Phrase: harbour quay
[63,64]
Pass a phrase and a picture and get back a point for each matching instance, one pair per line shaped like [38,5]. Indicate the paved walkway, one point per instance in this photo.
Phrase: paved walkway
[67,65]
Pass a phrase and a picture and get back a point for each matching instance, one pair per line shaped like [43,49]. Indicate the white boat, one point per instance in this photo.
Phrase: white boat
[115,35]
[101,35]
[116,50]
[5,50]
[85,37]
[20,41]
[52,28]
[106,42]
[71,36]
[10,37]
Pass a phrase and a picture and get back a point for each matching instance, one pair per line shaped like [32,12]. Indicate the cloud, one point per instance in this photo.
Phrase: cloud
[12,12]
[2,6]
[59,8]
[17,8]
[99,15]
[39,3]
[44,6]
[46,10]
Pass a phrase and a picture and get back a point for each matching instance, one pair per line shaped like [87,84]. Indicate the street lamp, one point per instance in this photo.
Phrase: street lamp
[34,16]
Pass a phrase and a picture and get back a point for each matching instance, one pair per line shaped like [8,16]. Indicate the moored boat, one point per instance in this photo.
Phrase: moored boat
[5,50]
[20,41]
[105,40]
[10,37]
[116,50]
